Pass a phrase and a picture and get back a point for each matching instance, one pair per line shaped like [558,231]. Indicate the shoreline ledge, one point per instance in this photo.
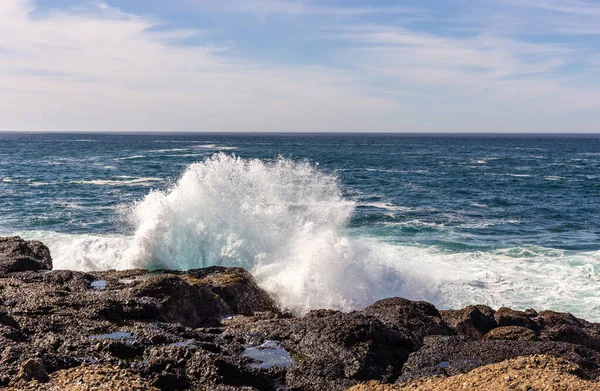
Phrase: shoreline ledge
[216,329]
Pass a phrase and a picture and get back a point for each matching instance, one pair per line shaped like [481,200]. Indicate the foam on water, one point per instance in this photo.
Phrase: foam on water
[287,223]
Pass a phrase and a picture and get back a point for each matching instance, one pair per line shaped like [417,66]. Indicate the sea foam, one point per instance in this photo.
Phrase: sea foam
[283,220]
[287,222]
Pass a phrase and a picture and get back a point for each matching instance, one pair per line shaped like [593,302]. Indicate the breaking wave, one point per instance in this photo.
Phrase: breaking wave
[288,223]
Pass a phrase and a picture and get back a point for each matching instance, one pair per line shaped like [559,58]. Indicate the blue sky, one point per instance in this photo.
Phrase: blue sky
[300,65]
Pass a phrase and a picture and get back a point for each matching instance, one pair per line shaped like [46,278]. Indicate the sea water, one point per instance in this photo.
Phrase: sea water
[323,221]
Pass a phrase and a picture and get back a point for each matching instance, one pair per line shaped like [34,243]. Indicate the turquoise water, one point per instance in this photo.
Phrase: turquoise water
[336,221]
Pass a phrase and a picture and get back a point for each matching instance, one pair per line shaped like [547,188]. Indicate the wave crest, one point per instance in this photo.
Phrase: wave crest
[283,220]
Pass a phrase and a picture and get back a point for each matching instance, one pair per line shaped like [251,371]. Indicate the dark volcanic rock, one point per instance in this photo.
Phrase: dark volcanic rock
[183,302]
[473,321]
[204,329]
[509,317]
[448,356]
[419,318]
[18,255]
[236,287]
[335,350]
[512,333]
[355,346]
[565,327]
[32,370]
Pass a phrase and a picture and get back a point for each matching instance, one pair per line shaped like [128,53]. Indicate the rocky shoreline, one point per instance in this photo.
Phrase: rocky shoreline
[216,329]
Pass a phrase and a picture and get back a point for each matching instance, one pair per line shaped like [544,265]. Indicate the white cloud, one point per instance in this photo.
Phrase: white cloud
[102,69]
[98,68]
[488,66]
[574,7]
[561,17]
[498,82]
[265,8]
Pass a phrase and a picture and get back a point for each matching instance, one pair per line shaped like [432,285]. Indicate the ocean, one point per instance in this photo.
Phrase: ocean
[323,221]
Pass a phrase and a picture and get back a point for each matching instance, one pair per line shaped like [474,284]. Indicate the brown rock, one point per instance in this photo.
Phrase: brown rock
[32,370]
[509,317]
[236,287]
[523,373]
[512,333]
[419,318]
[565,327]
[184,302]
[18,255]
[449,356]
[473,321]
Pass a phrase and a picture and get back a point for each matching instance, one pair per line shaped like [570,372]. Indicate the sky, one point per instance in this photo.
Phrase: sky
[300,65]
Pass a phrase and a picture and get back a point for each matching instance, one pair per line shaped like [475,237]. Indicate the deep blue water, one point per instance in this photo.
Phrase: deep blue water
[498,212]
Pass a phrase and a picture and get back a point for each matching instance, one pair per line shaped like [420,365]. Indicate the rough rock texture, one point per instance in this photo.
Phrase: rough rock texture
[511,333]
[17,255]
[474,321]
[449,356]
[557,326]
[534,373]
[216,329]
[236,287]
[143,323]
[419,318]
[335,350]
[509,317]
[89,378]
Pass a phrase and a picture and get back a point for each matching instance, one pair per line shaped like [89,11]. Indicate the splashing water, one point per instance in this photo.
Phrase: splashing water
[287,223]
[282,220]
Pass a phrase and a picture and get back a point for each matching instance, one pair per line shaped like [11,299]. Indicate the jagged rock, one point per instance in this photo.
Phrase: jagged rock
[343,346]
[210,371]
[419,318]
[236,287]
[449,356]
[32,370]
[18,255]
[532,373]
[90,377]
[512,333]
[474,321]
[190,304]
[509,317]
[565,327]
[336,350]
[173,330]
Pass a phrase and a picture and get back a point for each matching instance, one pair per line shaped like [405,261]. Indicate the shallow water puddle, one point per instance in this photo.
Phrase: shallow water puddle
[98,284]
[270,354]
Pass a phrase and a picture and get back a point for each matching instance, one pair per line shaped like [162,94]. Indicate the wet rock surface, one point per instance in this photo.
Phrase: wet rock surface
[530,373]
[17,255]
[216,329]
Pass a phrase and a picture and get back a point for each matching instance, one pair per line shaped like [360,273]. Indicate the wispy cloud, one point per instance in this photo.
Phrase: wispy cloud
[301,7]
[102,69]
[574,7]
[502,77]
[97,67]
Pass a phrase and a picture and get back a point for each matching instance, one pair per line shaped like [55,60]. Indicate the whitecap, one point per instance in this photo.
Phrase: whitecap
[121,182]
[130,157]
[216,147]
[288,224]
[385,206]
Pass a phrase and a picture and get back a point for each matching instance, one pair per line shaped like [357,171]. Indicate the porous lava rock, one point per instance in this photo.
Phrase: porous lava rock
[474,321]
[18,255]
[196,330]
